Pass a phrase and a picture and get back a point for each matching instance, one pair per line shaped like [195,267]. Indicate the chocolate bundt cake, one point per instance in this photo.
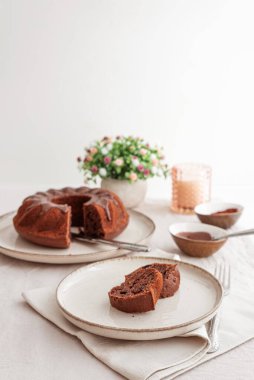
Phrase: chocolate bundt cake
[45,218]
[171,278]
[139,293]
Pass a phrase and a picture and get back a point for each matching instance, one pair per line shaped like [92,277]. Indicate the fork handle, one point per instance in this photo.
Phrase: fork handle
[213,333]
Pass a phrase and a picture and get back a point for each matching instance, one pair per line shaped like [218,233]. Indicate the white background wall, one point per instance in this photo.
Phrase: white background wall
[178,72]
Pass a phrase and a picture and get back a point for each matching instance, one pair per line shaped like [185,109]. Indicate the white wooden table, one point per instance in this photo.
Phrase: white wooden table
[34,349]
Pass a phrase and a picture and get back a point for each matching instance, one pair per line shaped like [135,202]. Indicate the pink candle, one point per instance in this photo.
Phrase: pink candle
[190,186]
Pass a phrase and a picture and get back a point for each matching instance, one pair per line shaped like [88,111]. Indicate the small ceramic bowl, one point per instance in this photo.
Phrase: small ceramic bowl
[198,248]
[206,213]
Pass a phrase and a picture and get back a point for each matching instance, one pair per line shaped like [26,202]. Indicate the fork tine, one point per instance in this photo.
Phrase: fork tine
[220,270]
[227,277]
[222,273]
[217,271]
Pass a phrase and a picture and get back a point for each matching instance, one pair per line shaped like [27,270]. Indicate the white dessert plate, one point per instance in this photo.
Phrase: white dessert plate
[139,229]
[83,299]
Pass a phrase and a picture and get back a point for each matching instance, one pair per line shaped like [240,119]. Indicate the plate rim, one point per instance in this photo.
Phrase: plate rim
[5,251]
[140,330]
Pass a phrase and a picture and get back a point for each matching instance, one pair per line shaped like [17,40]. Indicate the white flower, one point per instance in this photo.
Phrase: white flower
[118,162]
[104,151]
[153,156]
[135,161]
[154,170]
[102,172]
[109,147]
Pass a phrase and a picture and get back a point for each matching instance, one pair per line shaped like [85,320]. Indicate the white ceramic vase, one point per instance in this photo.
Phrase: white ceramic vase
[131,194]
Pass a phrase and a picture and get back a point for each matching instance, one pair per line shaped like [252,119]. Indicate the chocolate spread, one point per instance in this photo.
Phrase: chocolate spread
[199,235]
[227,211]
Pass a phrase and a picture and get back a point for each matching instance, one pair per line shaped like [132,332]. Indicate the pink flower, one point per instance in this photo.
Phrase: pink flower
[118,162]
[107,160]
[140,168]
[93,150]
[146,172]
[133,177]
[88,159]
[94,169]
[143,151]
[154,161]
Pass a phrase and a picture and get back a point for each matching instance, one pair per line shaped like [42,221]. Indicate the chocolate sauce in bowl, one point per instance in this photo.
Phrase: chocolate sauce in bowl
[227,211]
[199,235]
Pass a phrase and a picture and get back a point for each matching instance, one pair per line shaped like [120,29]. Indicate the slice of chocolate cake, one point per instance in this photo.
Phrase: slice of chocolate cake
[171,277]
[139,292]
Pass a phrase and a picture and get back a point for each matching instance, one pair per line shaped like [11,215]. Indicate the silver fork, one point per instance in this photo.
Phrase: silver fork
[222,273]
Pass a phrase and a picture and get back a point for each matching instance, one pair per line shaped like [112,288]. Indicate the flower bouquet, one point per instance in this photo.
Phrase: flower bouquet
[122,158]
[124,164]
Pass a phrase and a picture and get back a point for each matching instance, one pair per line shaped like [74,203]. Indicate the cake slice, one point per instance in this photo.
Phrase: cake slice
[139,292]
[171,277]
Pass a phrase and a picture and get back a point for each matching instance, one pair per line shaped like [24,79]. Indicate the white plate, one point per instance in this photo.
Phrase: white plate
[83,299]
[139,229]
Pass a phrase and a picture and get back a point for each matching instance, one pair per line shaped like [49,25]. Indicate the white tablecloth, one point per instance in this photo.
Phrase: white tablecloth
[31,348]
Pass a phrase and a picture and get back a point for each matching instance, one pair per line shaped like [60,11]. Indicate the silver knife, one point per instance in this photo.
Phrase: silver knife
[115,243]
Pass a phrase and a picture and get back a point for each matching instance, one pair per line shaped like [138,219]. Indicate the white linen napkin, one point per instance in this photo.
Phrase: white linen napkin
[135,360]
[167,358]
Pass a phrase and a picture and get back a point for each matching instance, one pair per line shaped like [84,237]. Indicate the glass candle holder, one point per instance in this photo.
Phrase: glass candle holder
[191,185]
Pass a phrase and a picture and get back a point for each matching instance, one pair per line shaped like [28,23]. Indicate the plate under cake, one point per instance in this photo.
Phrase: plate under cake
[83,299]
[139,230]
